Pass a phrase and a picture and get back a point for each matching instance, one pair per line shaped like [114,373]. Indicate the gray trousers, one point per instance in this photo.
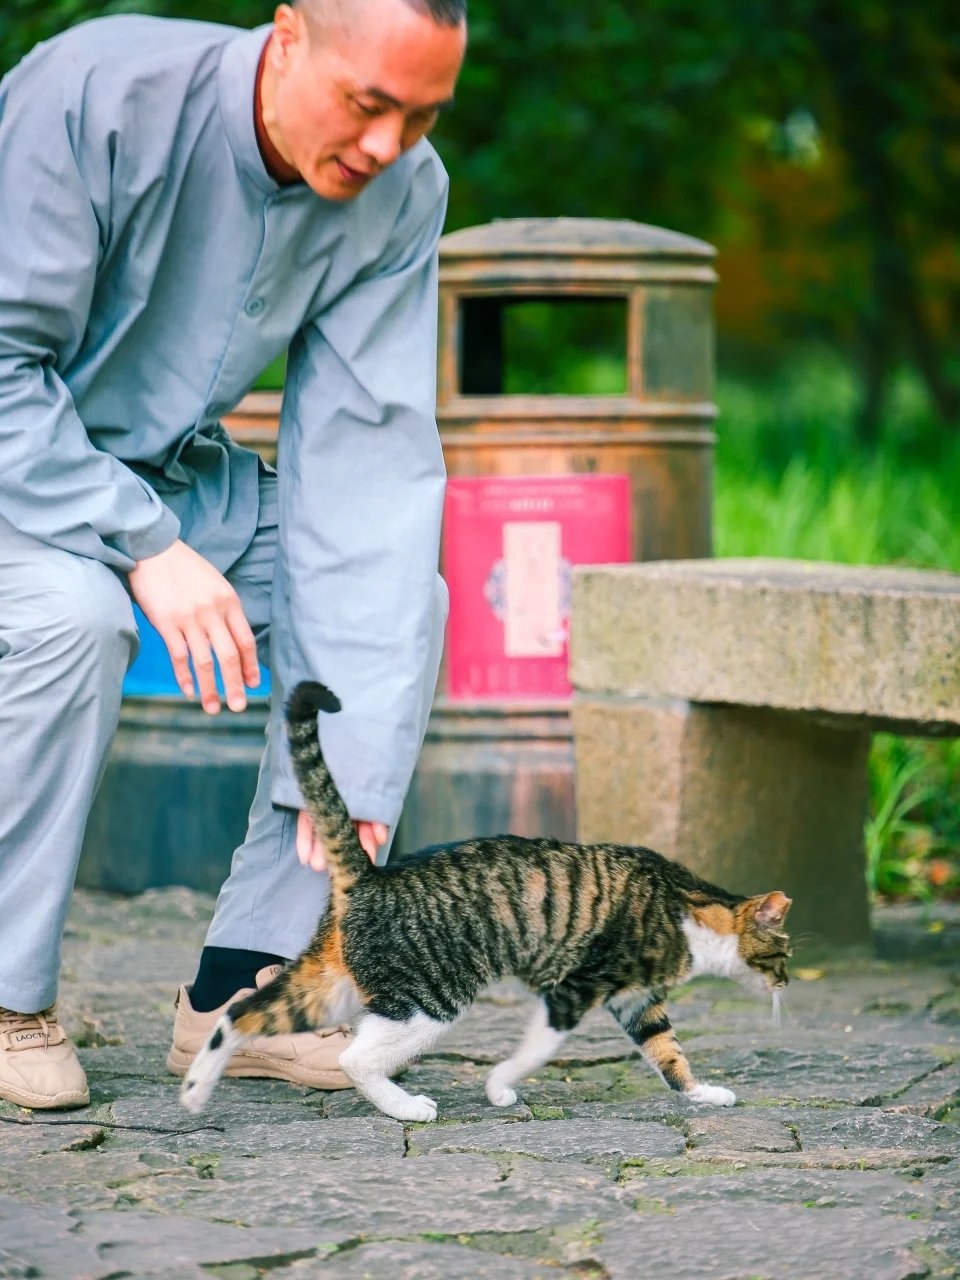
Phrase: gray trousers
[67,636]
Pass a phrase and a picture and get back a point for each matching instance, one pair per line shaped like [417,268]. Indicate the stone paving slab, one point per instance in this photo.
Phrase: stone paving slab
[771,1242]
[404,1260]
[606,1142]
[840,1159]
[863,1074]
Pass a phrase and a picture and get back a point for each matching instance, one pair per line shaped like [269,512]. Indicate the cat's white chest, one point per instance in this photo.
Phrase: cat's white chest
[712,953]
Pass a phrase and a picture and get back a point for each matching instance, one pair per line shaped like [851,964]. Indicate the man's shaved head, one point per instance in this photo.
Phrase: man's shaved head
[321,14]
[349,85]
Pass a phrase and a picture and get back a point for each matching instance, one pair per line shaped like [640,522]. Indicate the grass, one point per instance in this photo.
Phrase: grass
[792,481]
[872,511]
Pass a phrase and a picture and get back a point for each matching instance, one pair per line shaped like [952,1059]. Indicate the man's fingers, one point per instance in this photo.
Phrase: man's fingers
[310,850]
[179,658]
[371,836]
[199,615]
[201,656]
[229,660]
[367,842]
[245,642]
[304,837]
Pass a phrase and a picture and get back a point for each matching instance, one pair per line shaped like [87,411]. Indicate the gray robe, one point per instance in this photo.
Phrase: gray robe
[150,268]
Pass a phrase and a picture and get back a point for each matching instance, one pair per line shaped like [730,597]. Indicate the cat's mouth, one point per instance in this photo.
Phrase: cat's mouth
[767,983]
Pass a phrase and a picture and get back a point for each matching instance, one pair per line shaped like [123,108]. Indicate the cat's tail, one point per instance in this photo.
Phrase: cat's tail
[346,860]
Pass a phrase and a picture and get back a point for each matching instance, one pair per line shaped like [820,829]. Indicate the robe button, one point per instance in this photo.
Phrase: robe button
[255,307]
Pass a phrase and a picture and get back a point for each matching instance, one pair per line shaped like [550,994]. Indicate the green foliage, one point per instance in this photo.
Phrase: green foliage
[24,22]
[677,113]
[792,482]
[872,511]
[536,333]
[273,375]
[588,110]
[912,828]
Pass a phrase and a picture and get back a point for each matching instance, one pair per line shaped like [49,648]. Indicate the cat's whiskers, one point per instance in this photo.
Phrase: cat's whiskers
[800,940]
[781,1007]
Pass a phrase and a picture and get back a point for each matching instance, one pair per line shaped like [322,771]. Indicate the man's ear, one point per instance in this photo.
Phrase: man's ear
[288,25]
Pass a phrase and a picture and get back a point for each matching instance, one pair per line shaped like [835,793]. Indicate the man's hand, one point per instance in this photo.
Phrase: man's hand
[198,614]
[310,848]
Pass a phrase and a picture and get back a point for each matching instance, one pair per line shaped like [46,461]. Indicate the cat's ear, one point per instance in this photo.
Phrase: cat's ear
[771,910]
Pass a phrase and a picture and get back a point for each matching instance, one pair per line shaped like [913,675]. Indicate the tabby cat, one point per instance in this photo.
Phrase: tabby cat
[409,947]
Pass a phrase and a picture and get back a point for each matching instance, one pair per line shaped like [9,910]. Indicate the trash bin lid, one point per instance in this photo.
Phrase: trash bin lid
[571,237]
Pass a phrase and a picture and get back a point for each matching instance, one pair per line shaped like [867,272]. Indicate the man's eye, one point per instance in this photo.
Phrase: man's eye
[367,109]
[423,119]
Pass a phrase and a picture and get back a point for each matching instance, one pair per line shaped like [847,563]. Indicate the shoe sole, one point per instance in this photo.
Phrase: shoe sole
[43,1102]
[178,1063]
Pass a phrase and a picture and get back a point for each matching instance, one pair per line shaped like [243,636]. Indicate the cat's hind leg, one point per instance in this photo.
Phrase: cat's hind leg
[312,992]
[645,1021]
[381,1047]
[539,1044]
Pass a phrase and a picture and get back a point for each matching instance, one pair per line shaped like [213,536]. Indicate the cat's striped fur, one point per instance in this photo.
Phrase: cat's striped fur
[408,948]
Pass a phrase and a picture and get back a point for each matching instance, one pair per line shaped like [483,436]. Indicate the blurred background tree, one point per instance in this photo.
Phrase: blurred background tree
[817,146]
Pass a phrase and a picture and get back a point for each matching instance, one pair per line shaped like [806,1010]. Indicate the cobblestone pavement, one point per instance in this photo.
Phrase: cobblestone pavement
[840,1159]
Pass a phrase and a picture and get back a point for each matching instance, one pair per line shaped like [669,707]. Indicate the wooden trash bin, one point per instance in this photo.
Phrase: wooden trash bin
[498,764]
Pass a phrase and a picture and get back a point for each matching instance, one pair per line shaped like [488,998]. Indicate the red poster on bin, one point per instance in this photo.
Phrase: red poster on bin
[509,546]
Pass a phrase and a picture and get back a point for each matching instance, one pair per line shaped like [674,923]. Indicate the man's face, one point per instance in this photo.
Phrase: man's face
[342,103]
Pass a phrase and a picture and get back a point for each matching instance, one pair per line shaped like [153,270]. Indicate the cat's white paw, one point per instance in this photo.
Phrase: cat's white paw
[419,1108]
[498,1091]
[502,1097]
[713,1094]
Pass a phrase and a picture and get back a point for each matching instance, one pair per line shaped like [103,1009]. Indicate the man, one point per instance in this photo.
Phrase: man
[182,202]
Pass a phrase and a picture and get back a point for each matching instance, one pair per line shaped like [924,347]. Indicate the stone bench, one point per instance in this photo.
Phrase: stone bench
[723,711]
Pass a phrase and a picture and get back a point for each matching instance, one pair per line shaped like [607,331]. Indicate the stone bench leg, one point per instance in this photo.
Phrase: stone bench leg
[748,798]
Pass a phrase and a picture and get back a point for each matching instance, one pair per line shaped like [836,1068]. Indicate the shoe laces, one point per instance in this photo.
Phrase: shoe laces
[341,1029]
[46,1020]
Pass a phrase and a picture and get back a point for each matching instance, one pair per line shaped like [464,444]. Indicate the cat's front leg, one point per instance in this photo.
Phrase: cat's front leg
[645,1021]
[540,1042]
[558,1011]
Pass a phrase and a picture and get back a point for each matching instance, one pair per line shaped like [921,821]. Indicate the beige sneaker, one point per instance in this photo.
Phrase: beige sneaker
[38,1064]
[306,1057]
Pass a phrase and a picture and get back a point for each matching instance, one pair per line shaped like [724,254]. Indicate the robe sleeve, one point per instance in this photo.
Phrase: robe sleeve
[358,602]
[54,484]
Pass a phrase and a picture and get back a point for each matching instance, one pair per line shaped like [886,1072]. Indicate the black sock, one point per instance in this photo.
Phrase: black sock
[223,971]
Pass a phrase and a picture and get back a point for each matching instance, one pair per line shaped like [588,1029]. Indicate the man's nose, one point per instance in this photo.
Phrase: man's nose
[382,140]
